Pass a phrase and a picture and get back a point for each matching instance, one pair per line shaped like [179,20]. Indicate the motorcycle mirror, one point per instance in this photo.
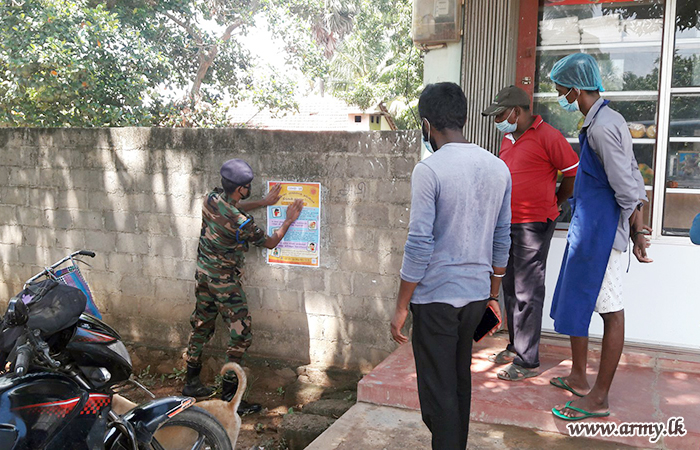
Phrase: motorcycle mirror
[17,313]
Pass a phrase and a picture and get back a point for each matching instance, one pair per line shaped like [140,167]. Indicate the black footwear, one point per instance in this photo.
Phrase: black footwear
[228,390]
[246,408]
[193,385]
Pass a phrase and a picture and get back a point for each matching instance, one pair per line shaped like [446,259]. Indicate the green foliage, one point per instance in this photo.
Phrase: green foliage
[178,374]
[89,63]
[119,63]
[146,378]
[377,62]
[362,48]
[67,63]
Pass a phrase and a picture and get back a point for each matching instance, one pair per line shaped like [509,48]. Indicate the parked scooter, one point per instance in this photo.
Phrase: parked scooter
[61,369]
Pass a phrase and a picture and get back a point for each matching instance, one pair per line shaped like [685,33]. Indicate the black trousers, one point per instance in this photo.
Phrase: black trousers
[442,347]
[523,289]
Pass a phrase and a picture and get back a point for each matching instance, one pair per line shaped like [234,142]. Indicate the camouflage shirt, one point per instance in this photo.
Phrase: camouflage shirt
[226,235]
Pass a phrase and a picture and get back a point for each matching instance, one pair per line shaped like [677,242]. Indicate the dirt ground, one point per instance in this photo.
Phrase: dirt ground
[278,387]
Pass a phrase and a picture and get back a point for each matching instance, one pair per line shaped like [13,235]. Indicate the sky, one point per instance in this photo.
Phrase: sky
[263,47]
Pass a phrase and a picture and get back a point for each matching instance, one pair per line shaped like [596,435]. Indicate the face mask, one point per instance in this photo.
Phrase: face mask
[244,197]
[426,145]
[425,141]
[564,103]
[505,126]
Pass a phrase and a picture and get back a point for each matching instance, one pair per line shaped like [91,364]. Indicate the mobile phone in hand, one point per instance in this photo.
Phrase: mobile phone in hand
[489,322]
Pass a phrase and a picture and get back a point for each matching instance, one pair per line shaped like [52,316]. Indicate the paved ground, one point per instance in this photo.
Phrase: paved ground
[366,426]
[649,387]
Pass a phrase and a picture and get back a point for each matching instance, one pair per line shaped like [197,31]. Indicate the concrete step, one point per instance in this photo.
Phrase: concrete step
[648,387]
[369,427]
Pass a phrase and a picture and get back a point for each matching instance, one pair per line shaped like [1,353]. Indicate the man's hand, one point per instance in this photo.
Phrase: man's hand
[294,210]
[397,323]
[497,309]
[641,243]
[273,196]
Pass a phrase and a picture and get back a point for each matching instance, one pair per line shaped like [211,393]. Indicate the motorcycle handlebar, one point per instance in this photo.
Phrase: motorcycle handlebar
[24,353]
[47,270]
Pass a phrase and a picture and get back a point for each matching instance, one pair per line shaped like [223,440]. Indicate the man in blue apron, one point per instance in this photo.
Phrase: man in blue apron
[607,212]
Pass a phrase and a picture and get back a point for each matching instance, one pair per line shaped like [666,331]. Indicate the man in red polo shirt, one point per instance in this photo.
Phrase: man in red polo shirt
[534,151]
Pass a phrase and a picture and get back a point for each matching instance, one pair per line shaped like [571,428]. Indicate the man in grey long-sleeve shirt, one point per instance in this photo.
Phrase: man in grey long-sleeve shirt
[456,252]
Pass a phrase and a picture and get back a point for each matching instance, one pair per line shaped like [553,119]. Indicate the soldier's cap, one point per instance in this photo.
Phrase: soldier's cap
[506,98]
[237,172]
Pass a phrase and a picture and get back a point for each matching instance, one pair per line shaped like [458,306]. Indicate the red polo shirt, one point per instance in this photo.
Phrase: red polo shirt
[534,160]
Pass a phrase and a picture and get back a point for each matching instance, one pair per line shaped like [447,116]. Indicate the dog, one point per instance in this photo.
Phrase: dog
[225,412]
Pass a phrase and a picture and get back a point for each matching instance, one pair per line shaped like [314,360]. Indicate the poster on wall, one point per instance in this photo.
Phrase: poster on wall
[300,246]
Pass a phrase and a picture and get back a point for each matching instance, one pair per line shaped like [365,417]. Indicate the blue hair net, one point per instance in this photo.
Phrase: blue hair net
[578,70]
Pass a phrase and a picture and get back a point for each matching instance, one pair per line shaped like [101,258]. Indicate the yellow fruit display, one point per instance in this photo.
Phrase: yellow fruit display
[647,174]
[637,130]
[651,131]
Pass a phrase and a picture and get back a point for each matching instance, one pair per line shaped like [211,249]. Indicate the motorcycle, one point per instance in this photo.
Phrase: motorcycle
[62,368]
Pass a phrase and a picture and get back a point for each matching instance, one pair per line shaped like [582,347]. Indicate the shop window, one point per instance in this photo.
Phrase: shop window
[682,186]
[625,39]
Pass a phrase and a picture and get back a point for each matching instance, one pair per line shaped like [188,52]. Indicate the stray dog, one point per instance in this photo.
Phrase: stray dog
[224,412]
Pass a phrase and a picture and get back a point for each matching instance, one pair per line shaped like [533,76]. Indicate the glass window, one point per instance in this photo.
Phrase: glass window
[625,39]
[682,187]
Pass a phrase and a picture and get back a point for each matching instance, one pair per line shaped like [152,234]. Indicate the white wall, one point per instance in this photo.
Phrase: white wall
[443,64]
[662,299]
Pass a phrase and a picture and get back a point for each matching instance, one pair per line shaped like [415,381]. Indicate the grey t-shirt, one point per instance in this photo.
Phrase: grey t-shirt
[610,139]
[459,226]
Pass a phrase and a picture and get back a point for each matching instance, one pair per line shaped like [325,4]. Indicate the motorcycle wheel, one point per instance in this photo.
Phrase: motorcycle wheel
[193,429]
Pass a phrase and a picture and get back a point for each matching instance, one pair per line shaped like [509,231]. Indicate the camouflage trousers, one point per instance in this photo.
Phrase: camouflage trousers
[219,296]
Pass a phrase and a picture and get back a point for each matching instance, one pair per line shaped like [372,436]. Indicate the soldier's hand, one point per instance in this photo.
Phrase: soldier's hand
[273,196]
[294,210]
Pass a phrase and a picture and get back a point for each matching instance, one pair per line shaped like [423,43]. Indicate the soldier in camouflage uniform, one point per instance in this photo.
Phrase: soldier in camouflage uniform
[227,232]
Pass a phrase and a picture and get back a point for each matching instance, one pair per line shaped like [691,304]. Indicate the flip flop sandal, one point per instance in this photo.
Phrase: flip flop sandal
[516,373]
[502,357]
[560,383]
[586,414]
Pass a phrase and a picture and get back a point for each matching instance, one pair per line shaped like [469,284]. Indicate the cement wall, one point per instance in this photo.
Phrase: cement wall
[134,196]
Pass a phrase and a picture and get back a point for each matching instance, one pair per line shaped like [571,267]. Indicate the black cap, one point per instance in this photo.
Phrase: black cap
[237,172]
[507,97]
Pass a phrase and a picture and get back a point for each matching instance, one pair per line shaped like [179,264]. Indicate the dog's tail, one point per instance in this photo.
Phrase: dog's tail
[242,384]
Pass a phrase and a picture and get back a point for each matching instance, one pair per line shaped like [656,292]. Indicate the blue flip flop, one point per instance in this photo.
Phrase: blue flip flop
[561,384]
[586,414]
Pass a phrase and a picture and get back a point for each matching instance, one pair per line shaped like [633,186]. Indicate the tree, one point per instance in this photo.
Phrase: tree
[361,48]
[117,63]
[173,62]
[377,62]
[70,64]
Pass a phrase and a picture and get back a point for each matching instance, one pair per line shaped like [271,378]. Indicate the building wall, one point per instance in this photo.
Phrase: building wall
[488,64]
[134,196]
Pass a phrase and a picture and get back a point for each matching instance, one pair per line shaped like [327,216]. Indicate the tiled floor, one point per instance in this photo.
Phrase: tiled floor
[648,387]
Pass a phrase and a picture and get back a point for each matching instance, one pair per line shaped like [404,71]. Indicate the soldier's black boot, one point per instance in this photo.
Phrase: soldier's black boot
[193,385]
[228,390]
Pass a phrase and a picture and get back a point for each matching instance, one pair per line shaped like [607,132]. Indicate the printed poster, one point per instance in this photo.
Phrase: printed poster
[300,246]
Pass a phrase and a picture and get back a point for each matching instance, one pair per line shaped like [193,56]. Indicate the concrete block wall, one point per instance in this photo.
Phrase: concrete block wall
[134,196]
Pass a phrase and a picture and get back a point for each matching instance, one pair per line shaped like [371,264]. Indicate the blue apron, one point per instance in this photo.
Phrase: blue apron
[595,217]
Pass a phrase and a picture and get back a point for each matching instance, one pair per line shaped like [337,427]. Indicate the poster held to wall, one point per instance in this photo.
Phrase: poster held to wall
[300,246]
